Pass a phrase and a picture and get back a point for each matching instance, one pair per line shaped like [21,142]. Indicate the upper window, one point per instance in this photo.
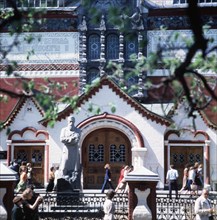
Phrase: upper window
[199,1]
[37,3]
[130,46]
[94,47]
[112,47]
[92,75]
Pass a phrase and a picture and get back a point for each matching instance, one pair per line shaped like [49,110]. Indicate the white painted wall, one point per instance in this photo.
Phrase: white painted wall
[152,133]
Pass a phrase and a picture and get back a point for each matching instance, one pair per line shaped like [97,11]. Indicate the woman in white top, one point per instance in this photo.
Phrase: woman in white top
[109,206]
[191,178]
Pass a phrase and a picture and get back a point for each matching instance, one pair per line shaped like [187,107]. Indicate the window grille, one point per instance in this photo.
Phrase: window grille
[96,153]
[131,46]
[21,156]
[112,47]
[117,154]
[94,47]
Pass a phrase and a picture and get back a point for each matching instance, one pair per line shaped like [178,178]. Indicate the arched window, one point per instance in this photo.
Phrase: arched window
[92,75]
[112,47]
[130,46]
[94,47]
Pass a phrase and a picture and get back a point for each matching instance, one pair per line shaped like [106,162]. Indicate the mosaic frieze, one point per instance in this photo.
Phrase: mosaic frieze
[177,22]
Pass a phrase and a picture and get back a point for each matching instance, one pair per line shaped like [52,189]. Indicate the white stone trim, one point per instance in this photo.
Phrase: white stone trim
[108,123]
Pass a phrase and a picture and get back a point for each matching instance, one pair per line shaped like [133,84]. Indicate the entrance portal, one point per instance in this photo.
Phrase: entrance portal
[182,155]
[103,146]
[35,156]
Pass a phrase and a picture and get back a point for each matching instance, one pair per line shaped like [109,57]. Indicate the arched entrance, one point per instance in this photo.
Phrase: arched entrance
[30,145]
[35,156]
[187,147]
[105,145]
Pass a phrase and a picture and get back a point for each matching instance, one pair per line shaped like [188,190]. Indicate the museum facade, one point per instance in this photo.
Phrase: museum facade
[73,50]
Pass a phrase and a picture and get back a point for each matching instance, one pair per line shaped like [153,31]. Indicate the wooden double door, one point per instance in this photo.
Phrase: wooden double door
[182,155]
[35,156]
[100,147]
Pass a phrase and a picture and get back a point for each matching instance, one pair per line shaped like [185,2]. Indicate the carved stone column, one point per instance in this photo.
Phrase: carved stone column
[83,53]
[102,29]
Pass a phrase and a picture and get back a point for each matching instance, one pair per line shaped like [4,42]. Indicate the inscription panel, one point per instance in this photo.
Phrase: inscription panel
[45,47]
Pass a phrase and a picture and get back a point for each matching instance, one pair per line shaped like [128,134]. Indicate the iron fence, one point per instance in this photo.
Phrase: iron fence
[79,206]
[181,208]
[83,206]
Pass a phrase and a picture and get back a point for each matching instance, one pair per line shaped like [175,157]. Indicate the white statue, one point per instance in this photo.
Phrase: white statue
[70,163]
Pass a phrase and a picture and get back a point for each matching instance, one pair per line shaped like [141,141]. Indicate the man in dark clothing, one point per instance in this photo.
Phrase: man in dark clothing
[17,211]
[29,213]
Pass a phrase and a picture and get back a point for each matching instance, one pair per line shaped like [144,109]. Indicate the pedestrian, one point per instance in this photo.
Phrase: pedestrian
[15,166]
[109,206]
[11,165]
[107,179]
[192,187]
[29,173]
[121,176]
[172,176]
[203,208]
[28,207]
[130,169]
[23,165]
[121,182]
[50,185]
[57,176]
[185,178]
[200,175]
[21,186]
[17,210]
[29,213]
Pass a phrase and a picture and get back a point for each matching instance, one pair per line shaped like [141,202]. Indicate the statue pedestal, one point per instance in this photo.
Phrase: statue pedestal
[66,195]
[8,180]
[142,189]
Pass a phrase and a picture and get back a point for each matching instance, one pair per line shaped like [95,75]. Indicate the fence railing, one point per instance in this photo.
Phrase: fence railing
[80,206]
[181,208]
[90,206]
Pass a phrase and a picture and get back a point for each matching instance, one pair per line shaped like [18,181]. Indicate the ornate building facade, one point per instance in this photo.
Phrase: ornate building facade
[75,44]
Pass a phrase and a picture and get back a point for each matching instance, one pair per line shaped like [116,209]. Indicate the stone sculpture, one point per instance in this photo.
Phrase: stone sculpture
[69,169]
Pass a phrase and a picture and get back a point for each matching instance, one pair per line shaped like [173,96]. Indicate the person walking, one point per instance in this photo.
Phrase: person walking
[192,187]
[107,179]
[109,206]
[121,176]
[21,186]
[172,176]
[50,185]
[121,181]
[29,173]
[200,175]
[185,178]
[203,208]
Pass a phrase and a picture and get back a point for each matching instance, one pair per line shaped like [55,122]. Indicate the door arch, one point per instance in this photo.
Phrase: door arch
[105,145]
